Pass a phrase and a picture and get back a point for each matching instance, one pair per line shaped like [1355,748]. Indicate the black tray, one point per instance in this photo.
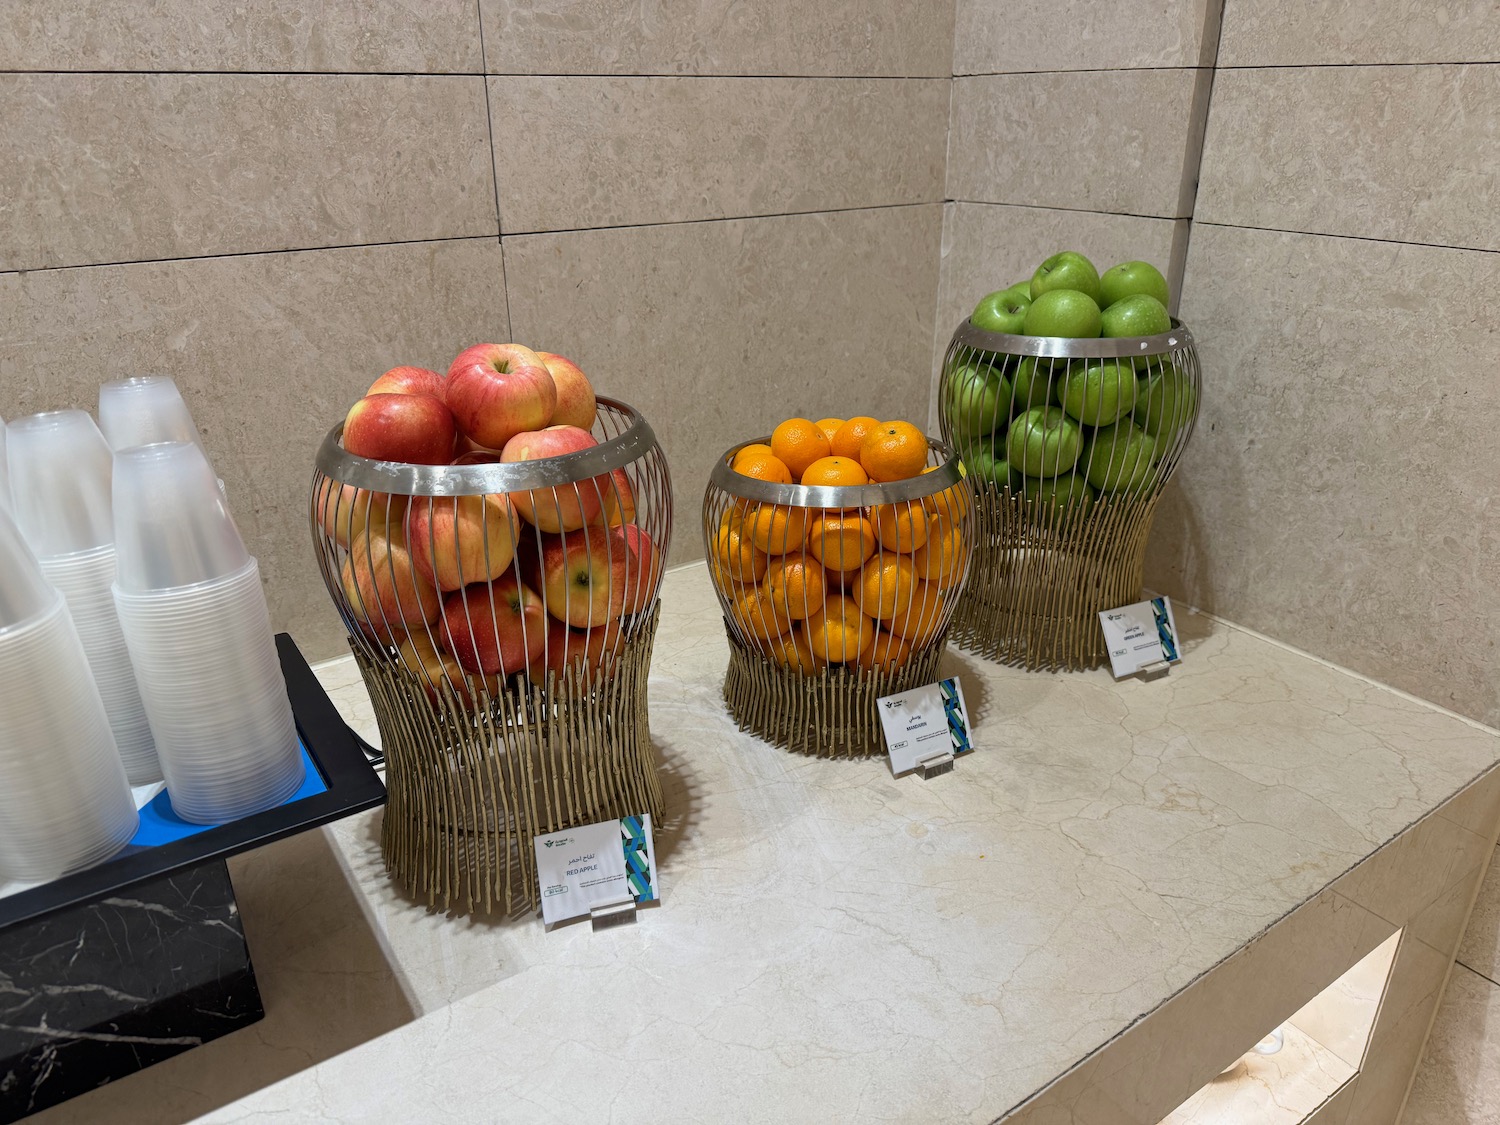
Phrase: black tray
[353,786]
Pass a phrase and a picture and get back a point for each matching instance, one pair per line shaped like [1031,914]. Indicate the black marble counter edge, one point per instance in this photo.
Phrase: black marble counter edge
[353,786]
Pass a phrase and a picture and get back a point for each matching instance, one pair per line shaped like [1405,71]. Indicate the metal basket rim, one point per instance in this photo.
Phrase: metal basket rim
[945,476]
[401,479]
[1063,347]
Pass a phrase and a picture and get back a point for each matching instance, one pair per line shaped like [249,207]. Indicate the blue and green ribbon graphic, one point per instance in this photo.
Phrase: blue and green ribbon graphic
[637,861]
[958,730]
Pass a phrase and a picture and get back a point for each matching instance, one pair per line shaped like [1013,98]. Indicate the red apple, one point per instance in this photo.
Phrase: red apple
[494,628]
[497,391]
[408,381]
[618,506]
[431,665]
[582,574]
[415,429]
[456,540]
[581,648]
[643,567]
[345,511]
[566,507]
[576,405]
[384,590]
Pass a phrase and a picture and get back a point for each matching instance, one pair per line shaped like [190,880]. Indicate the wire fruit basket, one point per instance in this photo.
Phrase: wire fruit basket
[1069,444]
[834,596]
[502,616]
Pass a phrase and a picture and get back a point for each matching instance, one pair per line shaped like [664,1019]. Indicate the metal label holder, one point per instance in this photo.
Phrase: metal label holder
[1155,670]
[616,912]
[935,765]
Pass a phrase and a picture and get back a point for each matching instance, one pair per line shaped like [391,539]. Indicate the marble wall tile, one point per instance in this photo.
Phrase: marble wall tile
[1335,1111]
[436,36]
[1481,945]
[1459,1080]
[990,246]
[119,168]
[1394,152]
[993,37]
[717,331]
[1125,134]
[269,350]
[782,37]
[653,150]
[1336,491]
[1296,33]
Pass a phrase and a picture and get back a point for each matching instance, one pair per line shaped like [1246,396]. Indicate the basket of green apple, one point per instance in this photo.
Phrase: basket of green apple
[1069,399]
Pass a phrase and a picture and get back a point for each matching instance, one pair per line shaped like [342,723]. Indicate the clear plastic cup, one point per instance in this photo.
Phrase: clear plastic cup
[24,593]
[85,580]
[4,481]
[60,468]
[65,803]
[205,660]
[145,410]
[172,524]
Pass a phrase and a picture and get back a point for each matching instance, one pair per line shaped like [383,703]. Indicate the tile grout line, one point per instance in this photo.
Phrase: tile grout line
[1195,143]
[10,271]
[1482,976]
[213,73]
[489,124]
[1356,237]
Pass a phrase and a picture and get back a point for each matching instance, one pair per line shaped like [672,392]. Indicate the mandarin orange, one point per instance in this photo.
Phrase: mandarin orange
[835,471]
[839,631]
[901,526]
[893,451]
[798,443]
[777,528]
[841,540]
[829,426]
[889,653]
[851,436]
[795,585]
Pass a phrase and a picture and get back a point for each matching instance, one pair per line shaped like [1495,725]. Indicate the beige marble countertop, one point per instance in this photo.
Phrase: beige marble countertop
[834,944]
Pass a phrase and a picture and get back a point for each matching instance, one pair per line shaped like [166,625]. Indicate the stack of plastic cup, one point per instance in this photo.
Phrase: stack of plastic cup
[145,410]
[64,800]
[4,480]
[61,465]
[195,618]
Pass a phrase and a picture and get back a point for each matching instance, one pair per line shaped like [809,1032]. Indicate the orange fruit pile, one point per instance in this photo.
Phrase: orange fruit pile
[865,587]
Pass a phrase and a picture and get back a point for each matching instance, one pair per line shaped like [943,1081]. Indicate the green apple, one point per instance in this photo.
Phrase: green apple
[1019,289]
[1043,442]
[1068,270]
[1120,457]
[984,462]
[1034,381]
[1064,491]
[1130,278]
[978,400]
[1001,311]
[1136,315]
[1164,402]
[1063,312]
[1098,392]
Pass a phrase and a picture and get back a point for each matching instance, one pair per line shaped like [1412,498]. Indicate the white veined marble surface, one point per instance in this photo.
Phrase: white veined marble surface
[834,944]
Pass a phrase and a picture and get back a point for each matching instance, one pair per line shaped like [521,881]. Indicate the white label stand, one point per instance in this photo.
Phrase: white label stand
[1155,671]
[935,765]
[617,912]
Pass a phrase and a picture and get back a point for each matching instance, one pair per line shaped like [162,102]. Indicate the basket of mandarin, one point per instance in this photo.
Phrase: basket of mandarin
[838,549]
[493,539]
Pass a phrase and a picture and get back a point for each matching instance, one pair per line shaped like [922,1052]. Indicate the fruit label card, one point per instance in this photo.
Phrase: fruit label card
[925,722]
[1140,635]
[580,868]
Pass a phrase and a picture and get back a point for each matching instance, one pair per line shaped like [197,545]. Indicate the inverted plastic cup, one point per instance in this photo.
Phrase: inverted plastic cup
[4,481]
[145,410]
[60,468]
[24,593]
[172,523]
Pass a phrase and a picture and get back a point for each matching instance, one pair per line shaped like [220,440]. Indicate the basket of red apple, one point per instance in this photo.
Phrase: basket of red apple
[494,539]
[838,549]
[1070,399]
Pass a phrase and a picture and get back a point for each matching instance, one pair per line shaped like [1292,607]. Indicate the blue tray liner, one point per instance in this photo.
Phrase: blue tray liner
[160,823]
